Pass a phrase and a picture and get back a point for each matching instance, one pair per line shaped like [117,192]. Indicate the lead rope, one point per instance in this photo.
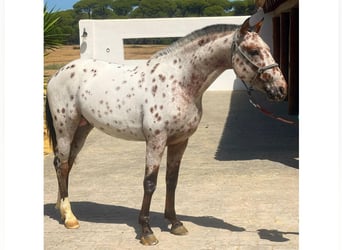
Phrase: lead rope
[265,111]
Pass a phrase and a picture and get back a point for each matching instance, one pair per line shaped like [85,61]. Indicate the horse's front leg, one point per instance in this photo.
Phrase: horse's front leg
[154,152]
[174,157]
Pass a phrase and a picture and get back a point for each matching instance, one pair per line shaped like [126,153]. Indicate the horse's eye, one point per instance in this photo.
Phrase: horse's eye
[253,52]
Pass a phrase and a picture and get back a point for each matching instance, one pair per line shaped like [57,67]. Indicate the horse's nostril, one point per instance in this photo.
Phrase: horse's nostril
[282,90]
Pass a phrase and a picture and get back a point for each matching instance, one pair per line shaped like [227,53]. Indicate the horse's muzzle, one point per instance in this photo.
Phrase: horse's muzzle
[276,93]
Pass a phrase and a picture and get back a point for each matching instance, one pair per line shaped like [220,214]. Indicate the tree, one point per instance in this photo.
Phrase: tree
[224,4]
[246,7]
[124,7]
[94,8]
[214,10]
[69,25]
[154,8]
[104,9]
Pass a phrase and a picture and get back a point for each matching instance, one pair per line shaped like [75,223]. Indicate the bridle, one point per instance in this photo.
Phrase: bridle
[260,70]
[236,48]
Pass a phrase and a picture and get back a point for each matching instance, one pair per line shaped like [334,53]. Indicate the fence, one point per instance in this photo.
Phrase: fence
[103,39]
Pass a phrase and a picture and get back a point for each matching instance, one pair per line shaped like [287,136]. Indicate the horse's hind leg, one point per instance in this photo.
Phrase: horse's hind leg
[174,157]
[63,169]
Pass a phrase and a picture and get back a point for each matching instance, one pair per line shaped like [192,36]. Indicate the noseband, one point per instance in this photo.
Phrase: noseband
[260,70]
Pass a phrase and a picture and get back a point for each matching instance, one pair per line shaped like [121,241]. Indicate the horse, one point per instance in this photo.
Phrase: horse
[159,102]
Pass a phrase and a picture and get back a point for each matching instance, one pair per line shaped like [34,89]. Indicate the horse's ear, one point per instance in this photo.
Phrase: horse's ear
[244,27]
[257,27]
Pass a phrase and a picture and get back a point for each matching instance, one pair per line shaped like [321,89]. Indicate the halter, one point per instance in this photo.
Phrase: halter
[260,70]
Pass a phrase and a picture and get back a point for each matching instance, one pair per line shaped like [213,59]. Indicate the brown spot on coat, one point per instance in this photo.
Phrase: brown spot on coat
[154,68]
[162,77]
[154,90]
[201,42]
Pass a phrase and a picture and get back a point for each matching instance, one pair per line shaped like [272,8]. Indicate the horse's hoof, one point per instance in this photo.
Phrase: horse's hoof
[72,224]
[179,230]
[149,240]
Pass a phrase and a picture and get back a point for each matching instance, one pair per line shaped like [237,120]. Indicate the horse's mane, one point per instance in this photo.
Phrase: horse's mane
[208,30]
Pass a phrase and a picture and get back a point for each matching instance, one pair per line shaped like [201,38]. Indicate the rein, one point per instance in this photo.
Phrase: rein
[260,70]
[263,110]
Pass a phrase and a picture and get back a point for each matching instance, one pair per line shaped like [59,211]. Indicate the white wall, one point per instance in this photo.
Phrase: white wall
[104,39]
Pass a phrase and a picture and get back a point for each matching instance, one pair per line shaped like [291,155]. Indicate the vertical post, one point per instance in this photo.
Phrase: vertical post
[293,92]
[276,38]
[284,44]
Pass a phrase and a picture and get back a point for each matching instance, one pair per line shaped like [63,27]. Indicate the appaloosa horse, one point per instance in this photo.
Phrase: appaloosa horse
[159,102]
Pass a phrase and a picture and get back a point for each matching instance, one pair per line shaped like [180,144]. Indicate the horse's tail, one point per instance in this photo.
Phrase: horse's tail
[51,133]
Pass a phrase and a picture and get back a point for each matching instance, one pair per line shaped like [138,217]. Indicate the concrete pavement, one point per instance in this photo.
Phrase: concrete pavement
[238,186]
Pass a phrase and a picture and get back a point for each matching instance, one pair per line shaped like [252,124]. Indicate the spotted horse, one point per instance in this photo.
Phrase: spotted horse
[159,103]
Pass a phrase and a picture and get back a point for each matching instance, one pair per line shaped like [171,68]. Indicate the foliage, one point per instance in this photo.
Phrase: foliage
[243,7]
[94,9]
[112,9]
[124,8]
[52,38]
[154,8]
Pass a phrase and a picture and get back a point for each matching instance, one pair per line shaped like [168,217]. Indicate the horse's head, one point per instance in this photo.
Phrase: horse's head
[253,62]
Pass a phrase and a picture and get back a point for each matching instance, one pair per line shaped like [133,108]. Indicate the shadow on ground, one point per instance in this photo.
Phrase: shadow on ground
[103,213]
[250,134]
[274,235]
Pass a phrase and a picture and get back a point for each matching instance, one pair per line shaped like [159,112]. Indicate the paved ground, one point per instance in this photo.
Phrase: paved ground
[238,186]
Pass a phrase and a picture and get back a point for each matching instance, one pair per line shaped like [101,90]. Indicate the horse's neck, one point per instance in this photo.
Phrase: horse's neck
[204,61]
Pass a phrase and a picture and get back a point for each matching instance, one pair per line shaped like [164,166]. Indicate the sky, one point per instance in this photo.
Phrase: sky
[60,4]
